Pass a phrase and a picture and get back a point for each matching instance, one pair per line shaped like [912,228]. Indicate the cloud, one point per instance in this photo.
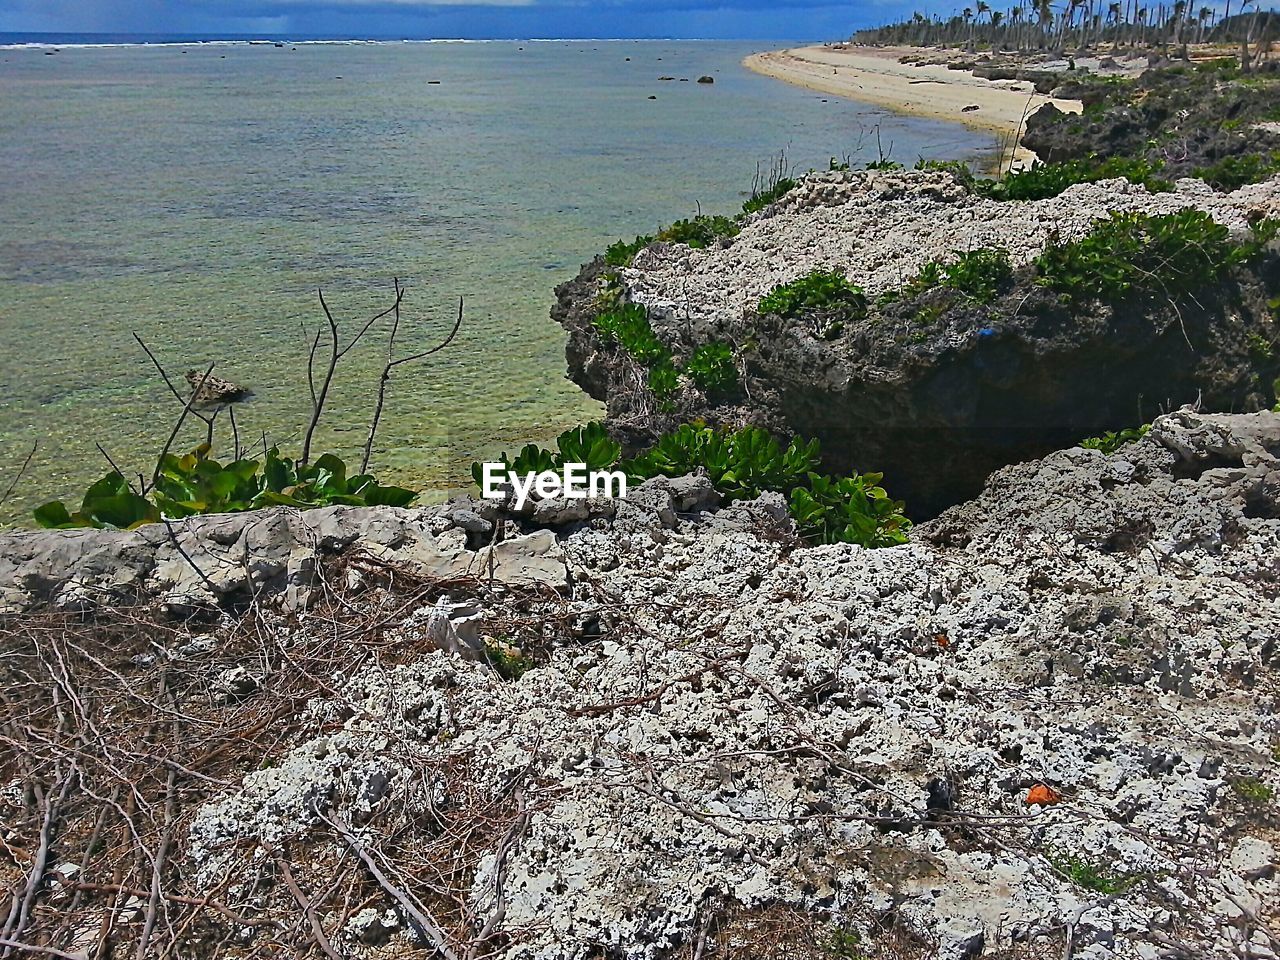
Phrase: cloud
[482,19]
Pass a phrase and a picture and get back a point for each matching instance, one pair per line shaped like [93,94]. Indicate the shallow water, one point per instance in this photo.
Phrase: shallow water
[200,195]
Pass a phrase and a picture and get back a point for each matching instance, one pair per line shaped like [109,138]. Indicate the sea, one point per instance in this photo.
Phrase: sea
[200,194]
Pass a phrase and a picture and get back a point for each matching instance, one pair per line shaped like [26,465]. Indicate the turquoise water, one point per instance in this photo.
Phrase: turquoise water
[200,195]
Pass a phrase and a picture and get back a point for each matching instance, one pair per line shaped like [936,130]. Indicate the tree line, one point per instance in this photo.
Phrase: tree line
[1082,25]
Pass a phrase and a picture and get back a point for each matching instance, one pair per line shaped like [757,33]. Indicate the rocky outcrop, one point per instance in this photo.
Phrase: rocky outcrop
[934,399]
[856,733]
[732,725]
[1183,119]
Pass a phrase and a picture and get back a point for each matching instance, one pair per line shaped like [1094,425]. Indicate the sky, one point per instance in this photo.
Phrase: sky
[481,19]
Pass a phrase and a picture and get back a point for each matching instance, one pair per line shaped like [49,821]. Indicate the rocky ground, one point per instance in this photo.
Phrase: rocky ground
[1204,120]
[661,728]
[935,396]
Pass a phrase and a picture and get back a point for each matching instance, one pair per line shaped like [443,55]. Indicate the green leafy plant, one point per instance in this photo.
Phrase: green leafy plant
[1041,181]
[818,290]
[1089,876]
[622,253]
[508,662]
[1252,790]
[711,368]
[1260,348]
[1113,440]
[627,325]
[1132,255]
[852,509]
[107,503]
[741,465]
[589,444]
[196,484]
[664,381]
[702,231]
[978,274]
[958,168]
[1232,173]
[843,944]
[769,195]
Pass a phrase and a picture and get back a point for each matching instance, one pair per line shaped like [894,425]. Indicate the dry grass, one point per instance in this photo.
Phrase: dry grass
[114,731]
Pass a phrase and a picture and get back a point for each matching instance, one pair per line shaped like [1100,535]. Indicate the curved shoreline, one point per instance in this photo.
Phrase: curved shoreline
[876,76]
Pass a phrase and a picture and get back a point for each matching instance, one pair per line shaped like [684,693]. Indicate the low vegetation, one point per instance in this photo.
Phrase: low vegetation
[710,367]
[1041,181]
[700,232]
[1252,790]
[1135,255]
[197,484]
[741,465]
[769,195]
[1113,440]
[828,291]
[1088,876]
[978,274]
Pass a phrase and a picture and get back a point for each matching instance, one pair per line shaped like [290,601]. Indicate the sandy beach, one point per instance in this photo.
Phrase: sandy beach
[875,75]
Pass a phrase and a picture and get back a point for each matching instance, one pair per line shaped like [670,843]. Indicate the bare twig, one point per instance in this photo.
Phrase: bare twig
[173,434]
[18,477]
[391,364]
[336,353]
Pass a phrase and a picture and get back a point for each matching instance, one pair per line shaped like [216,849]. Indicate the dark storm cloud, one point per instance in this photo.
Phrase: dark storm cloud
[781,19]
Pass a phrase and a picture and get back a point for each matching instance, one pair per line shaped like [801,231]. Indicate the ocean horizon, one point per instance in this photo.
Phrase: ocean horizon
[14,40]
[200,195]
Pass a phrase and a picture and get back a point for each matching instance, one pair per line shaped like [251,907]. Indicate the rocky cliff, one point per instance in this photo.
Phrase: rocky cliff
[662,728]
[934,395]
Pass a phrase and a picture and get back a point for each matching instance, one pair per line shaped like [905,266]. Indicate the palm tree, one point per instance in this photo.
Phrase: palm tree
[1044,16]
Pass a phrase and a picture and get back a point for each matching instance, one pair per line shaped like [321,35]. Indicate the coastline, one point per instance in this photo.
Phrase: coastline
[875,76]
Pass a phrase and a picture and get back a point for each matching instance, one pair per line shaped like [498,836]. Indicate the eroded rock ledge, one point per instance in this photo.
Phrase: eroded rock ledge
[729,725]
[934,401]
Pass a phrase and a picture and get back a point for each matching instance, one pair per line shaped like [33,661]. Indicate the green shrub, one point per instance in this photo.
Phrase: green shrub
[628,326]
[507,661]
[1094,878]
[711,368]
[195,484]
[825,290]
[852,509]
[747,462]
[884,164]
[589,444]
[1132,255]
[769,196]
[1041,181]
[622,253]
[978,274]
[1252,790]
[1232,173]
[958,168]
[741,465]
[664,380]
[1260,348]
[1111,441]
[702,231]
